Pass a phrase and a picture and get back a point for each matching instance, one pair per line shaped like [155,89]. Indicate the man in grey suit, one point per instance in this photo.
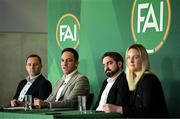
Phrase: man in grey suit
[70,86]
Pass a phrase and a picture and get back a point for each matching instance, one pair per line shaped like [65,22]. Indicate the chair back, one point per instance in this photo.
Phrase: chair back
[89,101]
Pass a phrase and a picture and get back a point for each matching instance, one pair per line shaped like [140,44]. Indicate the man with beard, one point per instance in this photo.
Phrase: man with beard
[115,89]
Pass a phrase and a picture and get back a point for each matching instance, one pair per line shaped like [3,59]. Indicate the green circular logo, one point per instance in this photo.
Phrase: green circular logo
[150,23]
[67,31]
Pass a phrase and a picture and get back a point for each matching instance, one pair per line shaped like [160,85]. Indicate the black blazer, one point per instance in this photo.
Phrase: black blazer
[119,92]
[147,99]
[41,88]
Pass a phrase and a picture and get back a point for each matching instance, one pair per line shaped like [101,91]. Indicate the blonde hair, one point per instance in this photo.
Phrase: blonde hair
[131,79]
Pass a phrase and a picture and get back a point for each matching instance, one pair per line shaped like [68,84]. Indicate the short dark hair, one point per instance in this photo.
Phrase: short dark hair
[116,56]
[73,51]
[34,55]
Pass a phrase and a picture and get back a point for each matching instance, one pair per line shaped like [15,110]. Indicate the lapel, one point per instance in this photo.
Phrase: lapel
[59,84]
[34,85]
[69,83]
[117,82]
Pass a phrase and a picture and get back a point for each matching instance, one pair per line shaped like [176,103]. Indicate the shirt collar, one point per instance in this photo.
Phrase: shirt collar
[112,79]
[33,78]
[68,76]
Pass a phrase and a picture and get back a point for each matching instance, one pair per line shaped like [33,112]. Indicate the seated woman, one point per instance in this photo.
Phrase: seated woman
[147,98]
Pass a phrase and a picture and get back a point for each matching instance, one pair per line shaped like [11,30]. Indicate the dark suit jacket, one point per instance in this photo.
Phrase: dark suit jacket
[119,92]
[41,88]
[147,99]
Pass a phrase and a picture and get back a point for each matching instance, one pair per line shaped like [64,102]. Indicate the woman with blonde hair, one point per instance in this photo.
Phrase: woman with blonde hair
[147,98]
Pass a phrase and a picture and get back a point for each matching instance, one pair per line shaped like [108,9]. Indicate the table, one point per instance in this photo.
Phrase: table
[57,113]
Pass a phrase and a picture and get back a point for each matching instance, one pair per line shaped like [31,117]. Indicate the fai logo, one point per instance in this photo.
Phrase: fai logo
[67,31]
[150,23]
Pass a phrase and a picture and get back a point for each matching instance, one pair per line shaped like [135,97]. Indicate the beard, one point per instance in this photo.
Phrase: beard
[111,73]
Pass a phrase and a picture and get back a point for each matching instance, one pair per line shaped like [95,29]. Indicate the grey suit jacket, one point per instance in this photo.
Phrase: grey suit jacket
[77,85]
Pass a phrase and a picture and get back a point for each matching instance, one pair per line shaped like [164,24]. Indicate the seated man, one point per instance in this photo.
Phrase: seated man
[115,89]
[35,84]
[71,85]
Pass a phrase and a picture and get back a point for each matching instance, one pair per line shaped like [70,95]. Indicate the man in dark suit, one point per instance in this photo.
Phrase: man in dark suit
[115,89]
[35,83]
[71,85]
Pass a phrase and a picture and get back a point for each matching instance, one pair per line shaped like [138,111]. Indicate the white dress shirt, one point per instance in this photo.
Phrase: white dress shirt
[27,86]
[105,93]
[66,80]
